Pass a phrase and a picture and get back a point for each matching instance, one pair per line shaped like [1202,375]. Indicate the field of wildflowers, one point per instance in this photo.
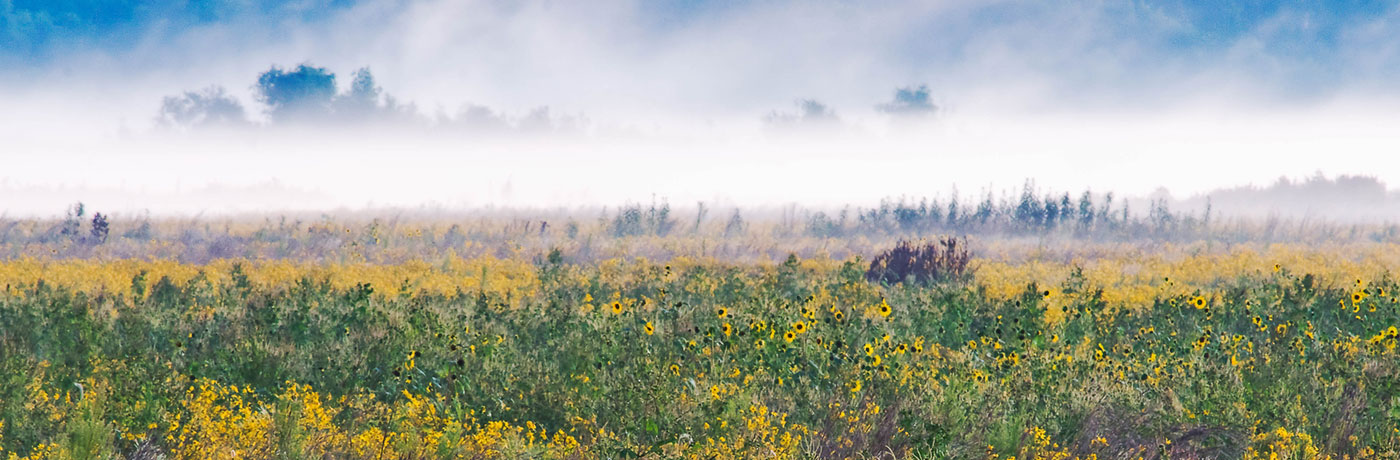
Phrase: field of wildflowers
[386,348]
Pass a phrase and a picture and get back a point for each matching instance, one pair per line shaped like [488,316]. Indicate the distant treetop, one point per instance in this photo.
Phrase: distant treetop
[910,101]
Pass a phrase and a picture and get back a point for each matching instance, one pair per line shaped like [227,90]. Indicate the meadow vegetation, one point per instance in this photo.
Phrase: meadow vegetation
[638,333]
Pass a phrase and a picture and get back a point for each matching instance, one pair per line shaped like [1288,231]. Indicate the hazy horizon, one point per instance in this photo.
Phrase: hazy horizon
[691,101]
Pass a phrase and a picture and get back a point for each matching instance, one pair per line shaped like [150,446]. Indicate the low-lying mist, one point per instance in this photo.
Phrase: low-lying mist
[273,169]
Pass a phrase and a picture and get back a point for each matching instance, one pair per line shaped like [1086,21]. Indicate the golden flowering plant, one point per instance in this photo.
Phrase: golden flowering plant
[1250,352]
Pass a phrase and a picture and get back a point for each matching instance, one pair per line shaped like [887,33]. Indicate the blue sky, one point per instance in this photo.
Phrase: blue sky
[36,25]
[1296,45]
[38,30]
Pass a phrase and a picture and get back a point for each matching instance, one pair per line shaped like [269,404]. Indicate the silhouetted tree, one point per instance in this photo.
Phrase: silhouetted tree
[362,101]
[910,102]
[809,112]
[1029,212]
[479,118]
[73,221]
[207,107]
[537,121]
[1052,212]
[1086,211]
[1066,209]
[954,212]
[302,94]
[985,210]
[366,102]
[99,228]
[659,218]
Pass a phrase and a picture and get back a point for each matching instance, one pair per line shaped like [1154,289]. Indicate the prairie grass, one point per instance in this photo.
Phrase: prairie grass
[382,346]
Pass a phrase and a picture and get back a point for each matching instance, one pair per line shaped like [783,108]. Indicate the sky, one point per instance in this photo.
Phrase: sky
[677,99]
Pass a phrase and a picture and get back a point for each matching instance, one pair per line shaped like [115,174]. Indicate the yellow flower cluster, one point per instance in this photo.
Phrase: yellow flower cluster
[509,277]
[1283,444]
[1133,280]
[226,422]
[764,435]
